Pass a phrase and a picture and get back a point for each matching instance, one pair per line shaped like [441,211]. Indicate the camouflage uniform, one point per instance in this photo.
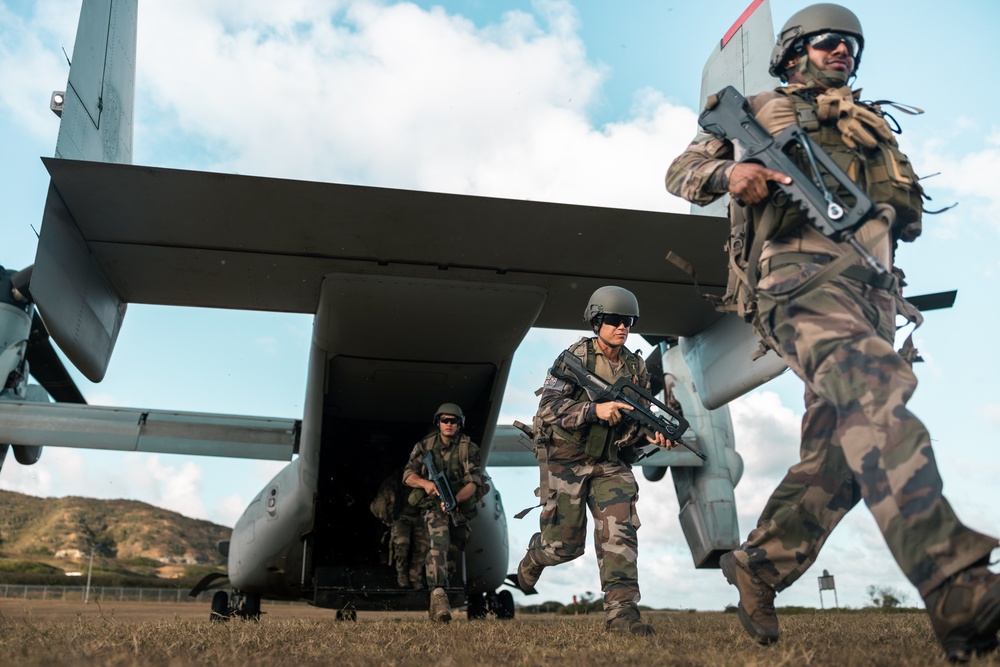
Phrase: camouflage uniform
[446,541]
[859,441]
[407,534]
[588,465]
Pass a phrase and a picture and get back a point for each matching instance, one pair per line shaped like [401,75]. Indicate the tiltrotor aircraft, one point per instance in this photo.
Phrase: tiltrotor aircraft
[113,234]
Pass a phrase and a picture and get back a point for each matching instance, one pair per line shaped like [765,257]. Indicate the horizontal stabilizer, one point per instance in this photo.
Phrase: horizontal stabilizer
[172,237]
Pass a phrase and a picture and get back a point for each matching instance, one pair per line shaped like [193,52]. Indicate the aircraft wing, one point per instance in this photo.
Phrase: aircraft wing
[172,237]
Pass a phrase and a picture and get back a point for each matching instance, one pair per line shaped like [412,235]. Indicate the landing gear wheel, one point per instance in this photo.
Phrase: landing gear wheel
[505,605]
[476,607]
[501,604]
[347,614]
[220,607]
[251,607]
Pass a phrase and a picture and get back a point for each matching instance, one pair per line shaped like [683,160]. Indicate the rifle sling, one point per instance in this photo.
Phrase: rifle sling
[542,453]
[838,266]
[857,272]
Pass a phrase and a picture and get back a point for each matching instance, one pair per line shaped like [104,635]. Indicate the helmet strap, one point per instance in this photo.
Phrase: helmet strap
[813,76]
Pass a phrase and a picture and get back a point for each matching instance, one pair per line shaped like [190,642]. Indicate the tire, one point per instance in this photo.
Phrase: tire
[476,607]
[505,605]
[220,607]
[251,607]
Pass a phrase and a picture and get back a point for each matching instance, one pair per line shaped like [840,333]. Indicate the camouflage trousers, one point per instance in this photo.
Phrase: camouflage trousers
[447,542]
[409,548]
[859,441]
[609,490]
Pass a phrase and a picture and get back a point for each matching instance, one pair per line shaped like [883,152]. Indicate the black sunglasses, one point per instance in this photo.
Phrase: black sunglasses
[618,320]
[449,420]
[828,41]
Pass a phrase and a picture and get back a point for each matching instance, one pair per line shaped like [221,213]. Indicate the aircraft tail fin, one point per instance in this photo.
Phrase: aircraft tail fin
[740,59]
[81,308]
[97,112]
[742,56]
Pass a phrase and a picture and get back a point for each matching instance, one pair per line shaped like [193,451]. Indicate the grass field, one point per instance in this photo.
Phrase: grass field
[40,633]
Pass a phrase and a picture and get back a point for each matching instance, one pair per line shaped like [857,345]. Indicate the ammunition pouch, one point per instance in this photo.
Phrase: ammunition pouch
[416,498]
[876,165]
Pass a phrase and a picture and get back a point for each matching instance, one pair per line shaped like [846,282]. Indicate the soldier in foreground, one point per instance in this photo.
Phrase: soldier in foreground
[457,457]
[585,450]
[408,542]
[858,439]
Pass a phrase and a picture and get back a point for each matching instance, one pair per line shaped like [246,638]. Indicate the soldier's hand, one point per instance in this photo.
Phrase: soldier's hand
[748,182]
[609,411]
[660,440]
[431,488]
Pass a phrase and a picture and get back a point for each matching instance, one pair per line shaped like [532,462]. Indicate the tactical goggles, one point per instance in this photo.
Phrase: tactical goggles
[618,320]
[449,420]
[828,41]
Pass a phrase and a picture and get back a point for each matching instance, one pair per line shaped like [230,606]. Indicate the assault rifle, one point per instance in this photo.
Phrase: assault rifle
[667,422]
[440,481]
[727,116]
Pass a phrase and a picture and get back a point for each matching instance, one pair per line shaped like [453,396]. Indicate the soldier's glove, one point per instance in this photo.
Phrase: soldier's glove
[858,125]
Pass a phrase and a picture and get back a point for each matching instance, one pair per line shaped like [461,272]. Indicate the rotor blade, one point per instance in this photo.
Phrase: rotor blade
[935,301]
[46,366]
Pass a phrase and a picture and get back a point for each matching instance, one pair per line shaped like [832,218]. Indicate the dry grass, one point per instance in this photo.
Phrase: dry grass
[128,634]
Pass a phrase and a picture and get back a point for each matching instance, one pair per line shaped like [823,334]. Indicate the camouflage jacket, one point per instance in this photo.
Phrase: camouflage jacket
[459,472]
[701,173]
[565,411]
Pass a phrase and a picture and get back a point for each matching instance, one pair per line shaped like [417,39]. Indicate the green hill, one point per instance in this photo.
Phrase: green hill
[127,537]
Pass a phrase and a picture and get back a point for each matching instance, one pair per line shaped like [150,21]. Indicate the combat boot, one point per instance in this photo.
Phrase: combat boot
[528,571]
[965,612]
[439,610]
[629,623]
[756,608]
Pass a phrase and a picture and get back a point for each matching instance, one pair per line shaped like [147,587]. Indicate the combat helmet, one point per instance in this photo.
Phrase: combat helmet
[450,409]
[612,300]
[824,17]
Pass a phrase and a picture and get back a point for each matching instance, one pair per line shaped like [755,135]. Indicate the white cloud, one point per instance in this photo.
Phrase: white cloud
[992,413]
[968,177]
[31,61]
[144,477]
[173,487]
[397,96]
[767,431]
[229,509]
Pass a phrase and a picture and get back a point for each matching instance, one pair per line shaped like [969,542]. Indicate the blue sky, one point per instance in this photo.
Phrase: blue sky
[581,102]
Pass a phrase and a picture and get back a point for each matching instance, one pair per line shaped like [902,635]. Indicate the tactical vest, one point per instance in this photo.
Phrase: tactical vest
[455,472]
[598,438]
[884,172]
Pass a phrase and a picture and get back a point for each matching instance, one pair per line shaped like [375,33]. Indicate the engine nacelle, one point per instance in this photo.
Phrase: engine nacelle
[487,553]
[706,494]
